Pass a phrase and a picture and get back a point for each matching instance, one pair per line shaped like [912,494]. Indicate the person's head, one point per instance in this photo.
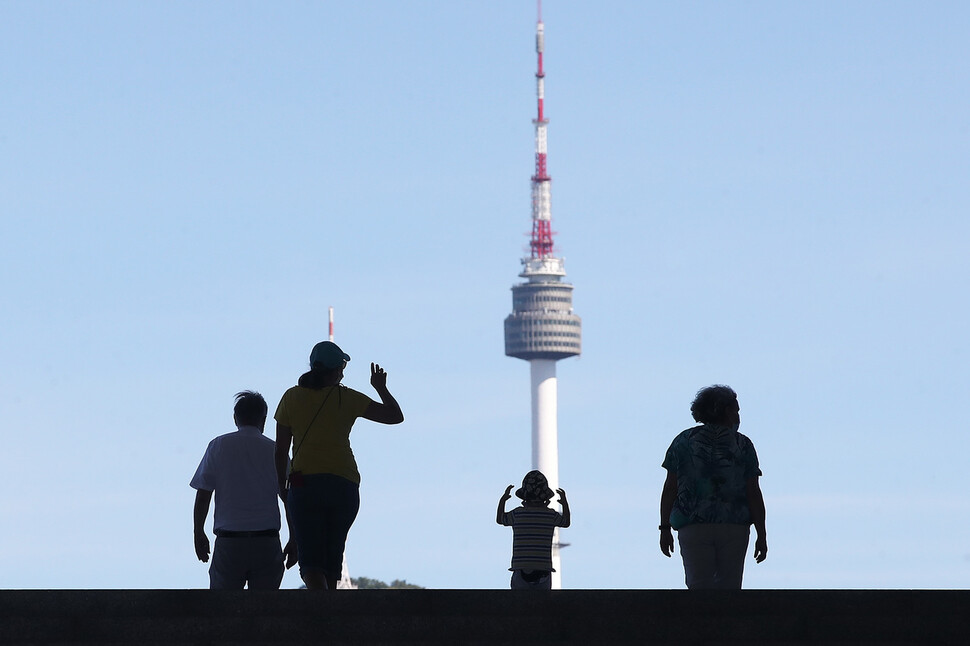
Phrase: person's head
[328,356]
[250,409]
[535,489]
[716,405]
[327,362]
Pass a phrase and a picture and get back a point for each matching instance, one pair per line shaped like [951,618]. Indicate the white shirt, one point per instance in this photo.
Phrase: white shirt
[240,468]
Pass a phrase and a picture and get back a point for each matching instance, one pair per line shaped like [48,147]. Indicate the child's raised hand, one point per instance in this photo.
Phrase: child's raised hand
[500,513]
[565,507]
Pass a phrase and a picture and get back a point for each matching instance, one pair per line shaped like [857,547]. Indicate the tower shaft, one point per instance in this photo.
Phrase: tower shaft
[545,438]
[545,432]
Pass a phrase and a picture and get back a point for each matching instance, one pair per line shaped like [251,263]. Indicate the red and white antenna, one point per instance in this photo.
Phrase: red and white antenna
[330,338]
[541,245]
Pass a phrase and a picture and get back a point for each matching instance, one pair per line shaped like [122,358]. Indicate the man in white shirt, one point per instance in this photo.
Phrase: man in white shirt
[239,467]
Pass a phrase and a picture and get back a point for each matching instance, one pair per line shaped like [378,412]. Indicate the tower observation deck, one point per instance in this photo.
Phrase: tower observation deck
[542,328]
[542,324]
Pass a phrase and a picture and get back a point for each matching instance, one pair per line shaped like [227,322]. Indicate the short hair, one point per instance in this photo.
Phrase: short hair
[250,407]
[709,403]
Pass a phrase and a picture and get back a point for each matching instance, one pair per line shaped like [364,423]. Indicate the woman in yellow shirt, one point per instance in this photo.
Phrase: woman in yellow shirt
[321,488]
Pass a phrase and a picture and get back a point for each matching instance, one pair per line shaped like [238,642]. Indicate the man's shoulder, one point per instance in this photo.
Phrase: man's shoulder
[241,437]
[214,450]
[255,436]
[267,441]
[219,440]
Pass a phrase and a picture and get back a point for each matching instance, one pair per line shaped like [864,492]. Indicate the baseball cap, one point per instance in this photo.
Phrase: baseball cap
[328,354]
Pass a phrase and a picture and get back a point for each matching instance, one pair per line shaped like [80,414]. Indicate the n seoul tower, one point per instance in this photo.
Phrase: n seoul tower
[542,328]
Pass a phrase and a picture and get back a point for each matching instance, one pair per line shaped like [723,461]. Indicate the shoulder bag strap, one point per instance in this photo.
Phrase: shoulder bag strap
[296,449]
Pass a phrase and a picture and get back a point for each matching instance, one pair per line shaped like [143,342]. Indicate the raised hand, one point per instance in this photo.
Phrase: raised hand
[500,512]
[508,493]
[388,411]
[378,378]
[565,507]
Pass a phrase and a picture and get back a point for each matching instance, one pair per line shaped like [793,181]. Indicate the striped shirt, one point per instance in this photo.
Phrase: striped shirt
[532,532]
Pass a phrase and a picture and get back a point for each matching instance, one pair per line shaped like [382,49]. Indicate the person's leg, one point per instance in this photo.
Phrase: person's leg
[227,571]
[266,563]
[697,551]
[731,544]
[531,580]
[314,578]
[307,527]
[344,503]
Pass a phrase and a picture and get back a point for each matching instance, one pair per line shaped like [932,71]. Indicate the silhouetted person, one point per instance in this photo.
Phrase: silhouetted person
[711,495]
[533,526]
[239,468]
[323,487]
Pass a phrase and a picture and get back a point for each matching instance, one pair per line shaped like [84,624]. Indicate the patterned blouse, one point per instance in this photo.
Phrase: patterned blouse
[712,464]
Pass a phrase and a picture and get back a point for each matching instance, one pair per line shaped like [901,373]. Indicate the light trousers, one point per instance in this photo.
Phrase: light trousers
[240,561]
[713,555]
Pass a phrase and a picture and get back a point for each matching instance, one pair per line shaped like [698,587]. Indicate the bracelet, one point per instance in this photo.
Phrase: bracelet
[663,527]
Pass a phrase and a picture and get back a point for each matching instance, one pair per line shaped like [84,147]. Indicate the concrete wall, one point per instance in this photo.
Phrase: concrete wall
[295,617]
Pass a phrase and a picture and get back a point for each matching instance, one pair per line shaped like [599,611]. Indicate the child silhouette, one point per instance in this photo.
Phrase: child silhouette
[533,525]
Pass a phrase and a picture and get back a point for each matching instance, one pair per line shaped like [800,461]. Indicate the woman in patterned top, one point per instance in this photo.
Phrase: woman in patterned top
[711,495]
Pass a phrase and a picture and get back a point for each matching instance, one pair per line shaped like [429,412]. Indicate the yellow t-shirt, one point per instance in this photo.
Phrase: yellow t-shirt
[324,447]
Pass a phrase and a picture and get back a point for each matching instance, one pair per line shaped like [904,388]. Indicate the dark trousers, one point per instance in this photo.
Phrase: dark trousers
[535,580]
[322,509]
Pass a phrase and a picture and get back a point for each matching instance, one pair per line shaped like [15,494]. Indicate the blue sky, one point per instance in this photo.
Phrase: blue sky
[768,195]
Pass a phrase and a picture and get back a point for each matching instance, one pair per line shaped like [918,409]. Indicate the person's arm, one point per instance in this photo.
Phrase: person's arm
[565,507]
[501,504]
[290,551]
[388,411]
[756,504]
[200,511]
[667,498]
[284,436]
